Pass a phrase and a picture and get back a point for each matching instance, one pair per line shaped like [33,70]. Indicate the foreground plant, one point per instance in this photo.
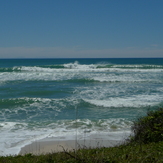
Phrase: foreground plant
[149,128]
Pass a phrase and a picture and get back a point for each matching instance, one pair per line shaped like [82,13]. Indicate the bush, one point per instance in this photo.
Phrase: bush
[149,128]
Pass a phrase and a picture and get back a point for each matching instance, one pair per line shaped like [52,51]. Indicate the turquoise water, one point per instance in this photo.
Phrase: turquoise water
[63,97]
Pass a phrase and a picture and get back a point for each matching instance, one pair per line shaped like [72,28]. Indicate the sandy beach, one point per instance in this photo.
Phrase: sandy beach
[50,145]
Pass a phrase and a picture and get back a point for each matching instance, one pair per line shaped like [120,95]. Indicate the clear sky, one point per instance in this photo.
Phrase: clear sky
[81,28]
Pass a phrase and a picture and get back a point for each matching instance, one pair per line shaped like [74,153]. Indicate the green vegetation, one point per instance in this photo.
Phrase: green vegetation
[149,128]
[145,146]
[146,153]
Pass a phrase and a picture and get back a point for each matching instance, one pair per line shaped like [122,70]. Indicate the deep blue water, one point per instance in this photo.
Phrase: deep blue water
[52,97]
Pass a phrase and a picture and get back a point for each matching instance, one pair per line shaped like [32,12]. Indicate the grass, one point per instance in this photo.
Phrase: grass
[129,153]
[145,146]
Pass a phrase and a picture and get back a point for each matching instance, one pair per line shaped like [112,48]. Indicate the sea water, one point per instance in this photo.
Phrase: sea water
[74,98]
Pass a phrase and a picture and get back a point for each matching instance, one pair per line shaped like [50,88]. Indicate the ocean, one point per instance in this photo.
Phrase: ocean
[75,98]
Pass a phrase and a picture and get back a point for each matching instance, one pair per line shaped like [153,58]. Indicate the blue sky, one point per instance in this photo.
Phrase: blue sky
[81,28]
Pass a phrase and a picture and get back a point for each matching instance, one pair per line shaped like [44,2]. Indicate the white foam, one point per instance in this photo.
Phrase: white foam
[114,68]
[74,70]
[134,101]
[76,65]
[121,78]
[140,66]
[13,138]
[12,141]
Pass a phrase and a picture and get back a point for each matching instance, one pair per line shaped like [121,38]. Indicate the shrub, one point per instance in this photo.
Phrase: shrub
[149,128]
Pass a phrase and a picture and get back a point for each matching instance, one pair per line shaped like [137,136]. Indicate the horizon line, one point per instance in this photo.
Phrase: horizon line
[90,58]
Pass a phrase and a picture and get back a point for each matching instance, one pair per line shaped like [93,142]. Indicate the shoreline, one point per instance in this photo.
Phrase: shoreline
[53,145]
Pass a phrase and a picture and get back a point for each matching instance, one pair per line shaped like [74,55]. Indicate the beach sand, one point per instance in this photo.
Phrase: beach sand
[51,145]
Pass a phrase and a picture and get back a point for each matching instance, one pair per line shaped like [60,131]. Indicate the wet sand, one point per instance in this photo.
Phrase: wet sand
[51,145]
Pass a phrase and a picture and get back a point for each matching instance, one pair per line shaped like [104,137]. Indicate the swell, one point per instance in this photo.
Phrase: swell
[78,66]
[132,66]
[12,102]
[47,79]
[109,81]
[53,66]
[10,69]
